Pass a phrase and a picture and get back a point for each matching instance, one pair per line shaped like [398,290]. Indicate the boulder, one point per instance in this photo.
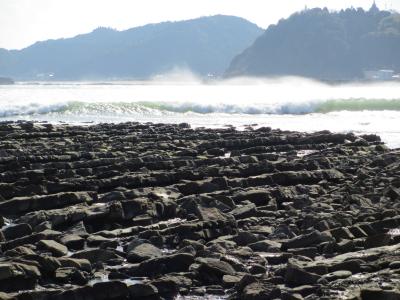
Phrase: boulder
[47,264]
[179,262]
[20,251]
[97,255]
[109,290]
[70,275]
[266,246]
[258,197]
[212,270]
[305,240]
[296,276]
[377,240]
[169,285]
[229,281]
[143,290]
[211,214]
[55,248]
[336,275]
[16,277]
[143,252]
[81,264]
[260,291]
[244,238]
[244,211]
[73,242]
[15,231]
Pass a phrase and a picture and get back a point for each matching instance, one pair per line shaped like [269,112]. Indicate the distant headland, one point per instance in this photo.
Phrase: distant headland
[347,45]
[204,46]
[6,80]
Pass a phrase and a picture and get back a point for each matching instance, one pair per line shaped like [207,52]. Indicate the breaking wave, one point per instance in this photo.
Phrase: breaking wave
[160,108]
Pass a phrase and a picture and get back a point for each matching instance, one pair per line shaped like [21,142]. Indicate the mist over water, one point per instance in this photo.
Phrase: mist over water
[188,89]
[287,103]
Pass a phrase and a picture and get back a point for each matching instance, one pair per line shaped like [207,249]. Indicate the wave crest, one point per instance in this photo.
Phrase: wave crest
[159,108]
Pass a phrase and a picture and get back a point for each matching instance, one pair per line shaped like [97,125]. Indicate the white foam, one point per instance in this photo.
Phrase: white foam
[269,102]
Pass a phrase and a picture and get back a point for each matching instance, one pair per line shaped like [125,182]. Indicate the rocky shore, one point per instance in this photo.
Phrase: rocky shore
[157,211]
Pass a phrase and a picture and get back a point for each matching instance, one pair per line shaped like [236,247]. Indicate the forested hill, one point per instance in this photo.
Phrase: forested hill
[205,45]
[320,44]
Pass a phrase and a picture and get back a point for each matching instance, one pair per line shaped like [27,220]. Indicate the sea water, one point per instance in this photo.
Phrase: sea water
[286,103]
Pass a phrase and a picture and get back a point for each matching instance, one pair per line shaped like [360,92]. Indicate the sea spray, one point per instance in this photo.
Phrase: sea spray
[286,103]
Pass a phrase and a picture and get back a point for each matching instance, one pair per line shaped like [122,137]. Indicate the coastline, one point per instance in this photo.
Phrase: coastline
[149,211]
[6,81]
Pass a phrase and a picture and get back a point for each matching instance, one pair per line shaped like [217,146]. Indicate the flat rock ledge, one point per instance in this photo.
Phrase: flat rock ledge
[160,211]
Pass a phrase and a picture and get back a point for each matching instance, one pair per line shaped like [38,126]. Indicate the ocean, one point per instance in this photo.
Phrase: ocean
[287,103]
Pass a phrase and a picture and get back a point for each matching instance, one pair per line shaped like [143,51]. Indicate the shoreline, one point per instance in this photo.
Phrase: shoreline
[386,139]
[149,211]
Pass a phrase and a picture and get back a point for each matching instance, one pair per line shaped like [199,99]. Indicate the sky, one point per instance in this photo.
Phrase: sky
[23,22]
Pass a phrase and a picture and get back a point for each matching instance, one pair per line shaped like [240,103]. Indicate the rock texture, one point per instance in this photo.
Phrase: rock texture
[155,211]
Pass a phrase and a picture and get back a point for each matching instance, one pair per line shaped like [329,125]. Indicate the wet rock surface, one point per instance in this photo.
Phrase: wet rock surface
[158,211]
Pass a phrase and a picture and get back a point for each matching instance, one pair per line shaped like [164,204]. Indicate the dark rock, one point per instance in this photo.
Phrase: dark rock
[73,242]
[167,264]
[164,205]
[393,193]
[211,214]
[141,290]
[110,290]
[55,248]
[16,231]
[259,291]
[244,238]
[81,264]
[96,240]
[258,197]
[20,251]
[229,281]
[336,275]
[376,293]
[16,277]
[378,240]
[305,240]
[70,275]
[307,290]
[245,281]
[170,285]
[20,205]
[266,246]
[342,233]
[97,255]
[244,211]
[352,265]
[142,252]
[257,269]
[212,270]
[295,276]
[310,252]
[394,265]
[215,152]
[47,264]
[291,296]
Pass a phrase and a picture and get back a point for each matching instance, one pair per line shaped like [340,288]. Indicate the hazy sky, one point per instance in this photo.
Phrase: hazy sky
[22,22]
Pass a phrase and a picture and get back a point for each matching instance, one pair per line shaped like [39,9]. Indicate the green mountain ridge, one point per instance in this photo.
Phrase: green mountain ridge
[204,46]
[324,45]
